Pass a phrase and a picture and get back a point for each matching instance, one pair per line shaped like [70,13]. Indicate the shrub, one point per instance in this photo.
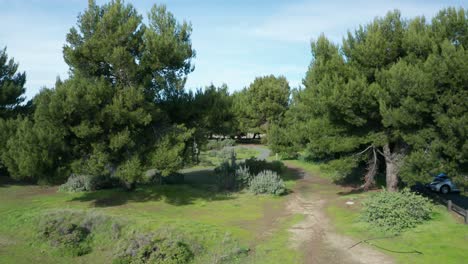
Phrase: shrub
[85,183]
[72,231]
[153,248]
[226,176]
[62,231]
[396,211]
[267,182]
[243,176]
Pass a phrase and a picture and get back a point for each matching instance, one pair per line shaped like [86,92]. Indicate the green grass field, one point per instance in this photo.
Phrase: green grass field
[216,221]
[200,212]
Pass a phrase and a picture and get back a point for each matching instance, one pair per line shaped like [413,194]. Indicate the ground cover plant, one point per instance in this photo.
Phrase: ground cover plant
[396,211]
[267,182]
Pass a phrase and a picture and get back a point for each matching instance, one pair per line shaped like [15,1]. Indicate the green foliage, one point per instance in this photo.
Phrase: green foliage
[72,231]
[226,154]
[267,182]
[243,176]
[85,183]
[171,151]
[34,151]
[214,106]
[108,119]
[255,166]
[11,85]
[220,144]
[226,176]
[153,248]
[263,103]
[396,211]
[112,42]
[340,169]
[69,236]
[393,84]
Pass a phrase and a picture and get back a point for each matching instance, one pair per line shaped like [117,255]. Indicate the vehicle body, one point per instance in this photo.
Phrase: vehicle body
[441,183]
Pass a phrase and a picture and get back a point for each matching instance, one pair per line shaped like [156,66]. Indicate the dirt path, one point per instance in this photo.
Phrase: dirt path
[315,235]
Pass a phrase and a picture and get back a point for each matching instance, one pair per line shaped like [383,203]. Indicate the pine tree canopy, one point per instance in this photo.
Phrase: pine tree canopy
[395,88]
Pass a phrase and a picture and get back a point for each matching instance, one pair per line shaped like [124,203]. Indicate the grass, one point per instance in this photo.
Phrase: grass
[268,252]
[245,153]
[198,210]
[441,240]
[309,167]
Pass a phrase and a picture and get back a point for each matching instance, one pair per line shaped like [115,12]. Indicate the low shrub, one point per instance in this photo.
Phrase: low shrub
[70,236]
[243,176]
[85,183]
[396,211]
[153,248]
[226,176]
[267,182]
[72,231]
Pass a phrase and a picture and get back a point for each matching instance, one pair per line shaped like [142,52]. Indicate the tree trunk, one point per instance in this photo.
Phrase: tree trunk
[393,161]
[369,178]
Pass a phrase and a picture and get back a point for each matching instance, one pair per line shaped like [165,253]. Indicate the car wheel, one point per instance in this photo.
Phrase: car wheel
[445,189]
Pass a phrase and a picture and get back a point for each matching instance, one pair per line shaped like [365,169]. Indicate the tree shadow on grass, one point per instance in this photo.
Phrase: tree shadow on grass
[174,194]
[351,192]
[293,174]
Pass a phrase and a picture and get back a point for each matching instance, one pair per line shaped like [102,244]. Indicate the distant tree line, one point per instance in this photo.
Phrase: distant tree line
[391,100]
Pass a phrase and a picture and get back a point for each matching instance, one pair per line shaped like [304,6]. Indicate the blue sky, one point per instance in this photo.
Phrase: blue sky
[235,41]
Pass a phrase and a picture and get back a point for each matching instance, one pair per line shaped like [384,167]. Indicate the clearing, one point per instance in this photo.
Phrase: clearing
[312,224]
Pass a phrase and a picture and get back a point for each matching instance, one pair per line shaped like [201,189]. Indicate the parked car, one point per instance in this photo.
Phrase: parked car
[442,183]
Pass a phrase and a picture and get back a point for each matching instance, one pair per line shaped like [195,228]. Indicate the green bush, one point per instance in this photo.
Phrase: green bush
[64,233]
[153,248]
[267,182]
[72,231]
[226,176]
[243,176]
[396,211]
[85,183]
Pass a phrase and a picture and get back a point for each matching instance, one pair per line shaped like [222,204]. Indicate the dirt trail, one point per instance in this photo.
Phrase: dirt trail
[315,235]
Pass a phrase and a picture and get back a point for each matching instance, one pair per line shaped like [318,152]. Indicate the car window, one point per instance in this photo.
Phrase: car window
[438,179]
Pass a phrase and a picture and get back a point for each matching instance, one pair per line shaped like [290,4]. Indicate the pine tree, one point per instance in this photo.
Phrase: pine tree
[11,86]
[391,94]
[263,103]
[109,119]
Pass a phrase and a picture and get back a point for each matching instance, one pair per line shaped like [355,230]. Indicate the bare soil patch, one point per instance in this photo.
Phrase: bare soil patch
[315,235]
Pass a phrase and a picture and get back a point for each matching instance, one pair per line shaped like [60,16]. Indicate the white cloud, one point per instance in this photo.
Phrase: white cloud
[300,22]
